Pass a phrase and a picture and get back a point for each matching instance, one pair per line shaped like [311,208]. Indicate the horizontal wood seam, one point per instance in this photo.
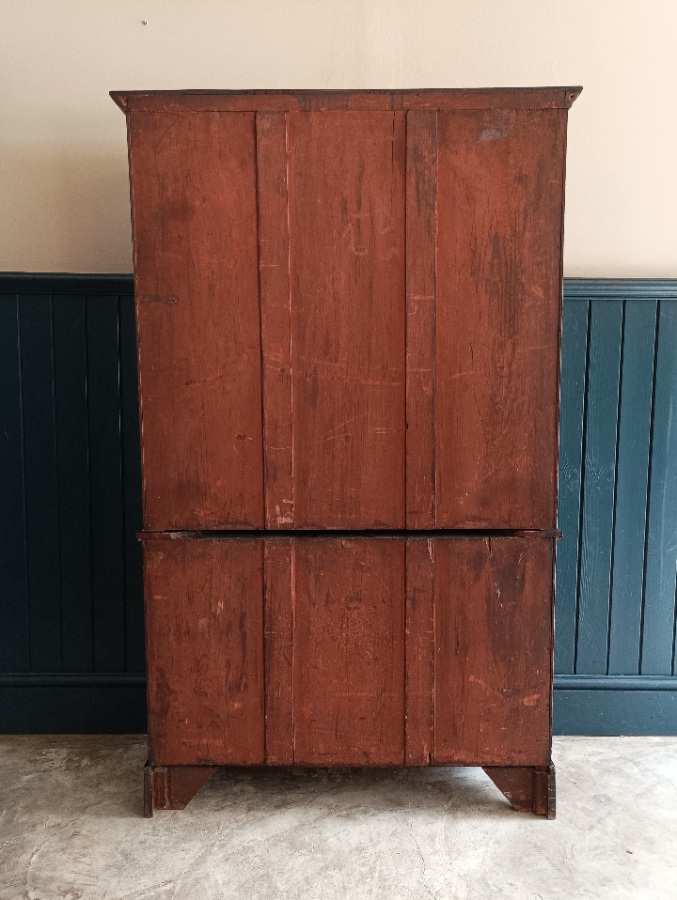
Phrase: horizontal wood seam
[137,679]
[347,533]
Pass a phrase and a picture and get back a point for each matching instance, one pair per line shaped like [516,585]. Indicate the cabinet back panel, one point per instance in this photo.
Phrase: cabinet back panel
[346,242]
[342,316]
[204,633]
[493,650]
[197,305]
[348,651]
[500,187]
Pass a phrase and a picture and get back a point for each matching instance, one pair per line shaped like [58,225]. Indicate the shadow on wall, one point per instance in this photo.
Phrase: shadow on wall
[52,195]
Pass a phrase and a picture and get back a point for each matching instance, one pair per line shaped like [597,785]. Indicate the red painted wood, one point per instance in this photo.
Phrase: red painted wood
[297,101]
[493,660]
[420,651]
[348,658]
[348,308]
[346,232]
[526,789]
[172,787]
[276,335]
[500,188]
[204,633]
[197,309]
[279,580]
[421,306]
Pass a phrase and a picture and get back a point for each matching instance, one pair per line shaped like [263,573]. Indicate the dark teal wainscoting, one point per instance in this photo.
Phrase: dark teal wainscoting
[616,564]
[71,611]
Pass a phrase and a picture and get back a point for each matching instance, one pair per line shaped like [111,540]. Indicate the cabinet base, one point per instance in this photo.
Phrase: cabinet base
[527,788]
[172,787]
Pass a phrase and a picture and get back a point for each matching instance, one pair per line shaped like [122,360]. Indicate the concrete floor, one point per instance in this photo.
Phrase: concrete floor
[71,829]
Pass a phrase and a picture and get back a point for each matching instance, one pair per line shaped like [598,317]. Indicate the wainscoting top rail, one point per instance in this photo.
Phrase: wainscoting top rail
[620,288]
[89,283]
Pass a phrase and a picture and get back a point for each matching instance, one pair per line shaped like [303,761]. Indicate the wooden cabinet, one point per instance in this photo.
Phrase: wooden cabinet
[348,314]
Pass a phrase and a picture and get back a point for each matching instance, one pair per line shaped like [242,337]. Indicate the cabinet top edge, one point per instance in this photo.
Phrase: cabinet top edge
[320,100]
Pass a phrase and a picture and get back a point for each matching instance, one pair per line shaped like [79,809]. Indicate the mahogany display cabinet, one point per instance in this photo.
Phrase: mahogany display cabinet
[348,314]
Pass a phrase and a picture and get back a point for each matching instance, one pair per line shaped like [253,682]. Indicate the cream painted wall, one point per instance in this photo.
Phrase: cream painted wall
[63,166]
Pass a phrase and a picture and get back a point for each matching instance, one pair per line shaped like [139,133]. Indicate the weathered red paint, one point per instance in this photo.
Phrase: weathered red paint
[346,244]
[348,308]
[195,244]
[204,639]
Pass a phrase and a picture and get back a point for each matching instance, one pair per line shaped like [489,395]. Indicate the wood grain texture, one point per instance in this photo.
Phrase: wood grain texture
[346,232]
[421,239]
[526,789]
[420,651]
[493,642]
[500,188]
[279,580]
[318,100]
[204,634]
[348,669]
[349,317]
[172,787]
[197,307]
[276,333]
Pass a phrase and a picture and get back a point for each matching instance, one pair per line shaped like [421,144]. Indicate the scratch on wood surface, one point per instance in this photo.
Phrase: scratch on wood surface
[343,424]
[466,373]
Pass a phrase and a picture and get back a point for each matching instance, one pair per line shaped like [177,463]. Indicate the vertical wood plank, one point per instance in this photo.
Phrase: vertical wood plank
[349,651]
[41,483]
[419,651]
[493,702]
[421,239]
[599,485]
[499,195]
[131,483]
[105,467]
[632,466]
[574,354]
[661,545]
[14,611]
[204,613]
[278,570]
[197,304]
[276,335]
[347,235]
[72,457]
